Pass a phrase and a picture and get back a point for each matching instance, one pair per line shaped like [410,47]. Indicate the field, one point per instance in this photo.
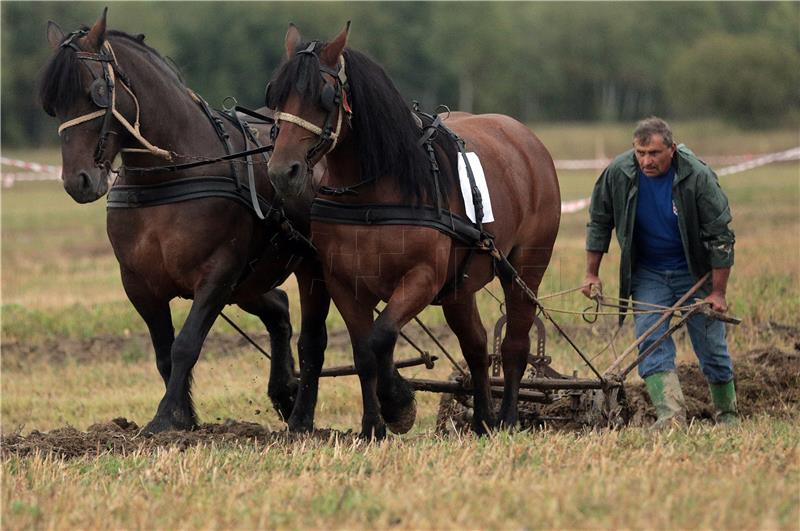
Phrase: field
[75,356]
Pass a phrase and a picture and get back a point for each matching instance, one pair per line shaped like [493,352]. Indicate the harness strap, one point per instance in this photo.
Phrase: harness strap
[219,129]
[344,190]
[136,195]
[458,228]
[108,61]
[305,124]
[122,196]
[342,107]
[248,137]
[81,119]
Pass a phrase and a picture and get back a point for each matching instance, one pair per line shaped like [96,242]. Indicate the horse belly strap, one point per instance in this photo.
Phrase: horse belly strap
[191,188]
[445,221]
[135,196]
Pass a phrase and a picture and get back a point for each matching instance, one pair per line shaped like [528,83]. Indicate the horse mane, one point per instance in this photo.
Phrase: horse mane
[384,131]
[60,80]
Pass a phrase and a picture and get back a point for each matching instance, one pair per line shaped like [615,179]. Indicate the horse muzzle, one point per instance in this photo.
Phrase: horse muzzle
[85,186]
[289,179]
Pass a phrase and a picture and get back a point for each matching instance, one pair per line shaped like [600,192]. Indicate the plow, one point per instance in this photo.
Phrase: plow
[547,395]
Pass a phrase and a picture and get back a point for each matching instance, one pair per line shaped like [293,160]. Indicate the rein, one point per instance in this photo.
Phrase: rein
[105,97]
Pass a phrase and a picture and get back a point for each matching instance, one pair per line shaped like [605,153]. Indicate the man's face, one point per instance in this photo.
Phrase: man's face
[655,156]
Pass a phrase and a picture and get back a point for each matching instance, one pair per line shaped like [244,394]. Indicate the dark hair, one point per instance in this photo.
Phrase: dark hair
[60,81]
[652,126]
[384,129]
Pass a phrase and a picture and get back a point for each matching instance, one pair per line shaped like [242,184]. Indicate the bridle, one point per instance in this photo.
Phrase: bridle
[333,99]
[105,97]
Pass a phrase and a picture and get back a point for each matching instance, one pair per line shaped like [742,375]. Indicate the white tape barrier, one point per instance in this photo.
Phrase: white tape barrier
[35,171]
[46,172]
[570,207]
[782,156]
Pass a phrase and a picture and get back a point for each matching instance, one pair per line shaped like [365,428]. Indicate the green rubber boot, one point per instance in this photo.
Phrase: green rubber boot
[724,398]
[667,397]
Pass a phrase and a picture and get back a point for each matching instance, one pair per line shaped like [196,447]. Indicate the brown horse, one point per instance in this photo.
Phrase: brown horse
[336,101]
[177,232]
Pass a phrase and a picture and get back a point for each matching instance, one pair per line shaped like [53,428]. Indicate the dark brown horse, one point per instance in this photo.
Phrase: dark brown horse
[115,95]
[336,101]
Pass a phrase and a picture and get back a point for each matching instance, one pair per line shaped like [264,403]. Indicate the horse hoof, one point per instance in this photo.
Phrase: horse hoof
[300,426]
[373,433]
[160,425]
[481,429]
[283,401]
[404,420]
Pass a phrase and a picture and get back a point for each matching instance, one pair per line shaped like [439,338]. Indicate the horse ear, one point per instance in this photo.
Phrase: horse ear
[55,35]
[97,35]
[330,55]
[292,40]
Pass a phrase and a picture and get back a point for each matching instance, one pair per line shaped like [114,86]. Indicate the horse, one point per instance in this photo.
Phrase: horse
[185,230]
[335,101]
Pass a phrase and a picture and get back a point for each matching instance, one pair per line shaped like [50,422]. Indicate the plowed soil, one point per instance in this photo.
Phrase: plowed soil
[767,381]
[120,436]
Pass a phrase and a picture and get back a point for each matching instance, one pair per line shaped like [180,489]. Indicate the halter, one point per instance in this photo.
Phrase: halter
[104,96]
[333,99]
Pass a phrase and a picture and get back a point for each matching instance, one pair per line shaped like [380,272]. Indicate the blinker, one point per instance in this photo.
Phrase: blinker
[99,93]
[328,98]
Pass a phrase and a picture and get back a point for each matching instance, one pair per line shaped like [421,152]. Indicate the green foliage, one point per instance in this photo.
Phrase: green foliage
[750,79]
[535,61]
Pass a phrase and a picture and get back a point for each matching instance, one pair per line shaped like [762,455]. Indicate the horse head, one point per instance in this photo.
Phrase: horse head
[84,87]
[74,90]
[309,95]
[336,101]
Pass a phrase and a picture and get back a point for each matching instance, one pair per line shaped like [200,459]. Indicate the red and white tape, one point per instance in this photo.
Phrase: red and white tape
[31,166]
[46,172]
[569,207]
[35,171]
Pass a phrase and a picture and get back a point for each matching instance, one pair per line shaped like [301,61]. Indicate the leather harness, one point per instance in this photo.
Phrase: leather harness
[334,100]
[221,186]
[123,196]
[436,217]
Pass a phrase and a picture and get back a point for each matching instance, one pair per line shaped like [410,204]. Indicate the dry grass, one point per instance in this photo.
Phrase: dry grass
[60,281]
[704,478]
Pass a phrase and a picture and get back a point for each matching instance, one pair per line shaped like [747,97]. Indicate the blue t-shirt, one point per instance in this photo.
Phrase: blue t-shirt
[656,233]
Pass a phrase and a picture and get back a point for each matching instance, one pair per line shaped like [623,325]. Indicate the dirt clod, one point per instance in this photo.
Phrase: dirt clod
[121,436]
[767,382]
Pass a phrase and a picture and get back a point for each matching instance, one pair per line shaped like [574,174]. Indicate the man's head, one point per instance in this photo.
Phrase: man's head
[653,146]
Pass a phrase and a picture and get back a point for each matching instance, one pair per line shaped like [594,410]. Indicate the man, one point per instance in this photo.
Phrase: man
[671,219]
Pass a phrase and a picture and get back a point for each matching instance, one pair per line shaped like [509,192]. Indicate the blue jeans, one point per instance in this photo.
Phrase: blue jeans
[707,335]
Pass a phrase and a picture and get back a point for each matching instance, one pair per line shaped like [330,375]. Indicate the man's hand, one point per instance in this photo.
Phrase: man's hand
[588,283]
[718,302]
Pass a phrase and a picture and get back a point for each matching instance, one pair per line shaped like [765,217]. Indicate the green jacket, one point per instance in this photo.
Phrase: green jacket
[703,215]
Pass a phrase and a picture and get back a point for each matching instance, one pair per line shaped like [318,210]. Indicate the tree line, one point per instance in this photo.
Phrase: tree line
[548,61]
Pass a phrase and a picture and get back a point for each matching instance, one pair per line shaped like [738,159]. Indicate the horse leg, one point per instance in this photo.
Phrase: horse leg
[273,310]
[314,305]
[416,290]
[156,314]
[176,410]
[357,315]
[465,322]
[521,311]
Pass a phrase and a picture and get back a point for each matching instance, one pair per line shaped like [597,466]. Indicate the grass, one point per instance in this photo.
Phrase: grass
[61,298]
[706,138]
[703,478]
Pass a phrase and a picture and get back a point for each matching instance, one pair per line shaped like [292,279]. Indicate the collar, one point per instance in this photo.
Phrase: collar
[680,161]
